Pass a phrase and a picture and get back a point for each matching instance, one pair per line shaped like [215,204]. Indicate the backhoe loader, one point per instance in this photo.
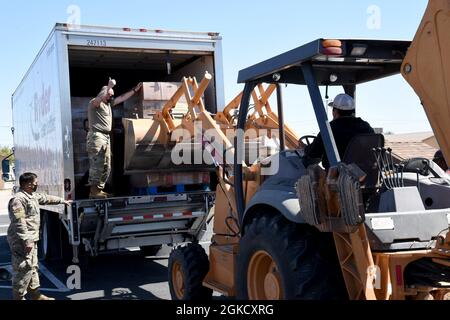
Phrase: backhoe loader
[371,227]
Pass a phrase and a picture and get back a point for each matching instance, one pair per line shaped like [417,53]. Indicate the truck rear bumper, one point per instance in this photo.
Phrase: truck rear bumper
[121,223]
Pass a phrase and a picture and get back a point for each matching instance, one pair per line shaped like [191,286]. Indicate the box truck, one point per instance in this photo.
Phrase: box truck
[49,128]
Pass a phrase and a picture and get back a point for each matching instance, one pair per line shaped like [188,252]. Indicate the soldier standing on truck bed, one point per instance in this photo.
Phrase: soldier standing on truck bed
[23,236]
[98,139]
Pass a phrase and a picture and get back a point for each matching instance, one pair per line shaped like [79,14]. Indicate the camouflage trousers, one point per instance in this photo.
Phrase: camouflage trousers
[25,268]
[99,152]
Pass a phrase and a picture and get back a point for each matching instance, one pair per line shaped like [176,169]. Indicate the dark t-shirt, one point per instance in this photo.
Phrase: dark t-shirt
[344,130]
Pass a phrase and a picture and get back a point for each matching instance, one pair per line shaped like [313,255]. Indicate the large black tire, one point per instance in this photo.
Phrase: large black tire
[150,251]
[189,265]
[49,246]
[306,262]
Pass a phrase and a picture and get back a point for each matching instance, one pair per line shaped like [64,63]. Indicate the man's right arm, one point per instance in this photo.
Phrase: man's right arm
[18,215]
[95,103]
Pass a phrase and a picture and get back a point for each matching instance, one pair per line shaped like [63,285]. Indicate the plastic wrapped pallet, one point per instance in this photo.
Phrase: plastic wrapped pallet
[169,179]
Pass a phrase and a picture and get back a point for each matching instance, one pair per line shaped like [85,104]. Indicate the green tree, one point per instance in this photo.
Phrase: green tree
[5,151]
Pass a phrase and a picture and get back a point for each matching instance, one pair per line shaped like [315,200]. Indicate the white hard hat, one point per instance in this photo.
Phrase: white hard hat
[343,102]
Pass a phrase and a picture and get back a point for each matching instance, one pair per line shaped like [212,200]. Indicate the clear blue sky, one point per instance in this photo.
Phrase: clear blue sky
[252,31]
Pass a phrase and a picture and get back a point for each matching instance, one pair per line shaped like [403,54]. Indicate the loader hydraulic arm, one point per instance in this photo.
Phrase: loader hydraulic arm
[196,120]
[262,117]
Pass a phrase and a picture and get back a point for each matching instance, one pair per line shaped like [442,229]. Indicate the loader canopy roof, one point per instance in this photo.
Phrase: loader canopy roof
[354,62]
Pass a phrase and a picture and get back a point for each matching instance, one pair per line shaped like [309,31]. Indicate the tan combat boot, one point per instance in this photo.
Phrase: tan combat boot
[97,193]
[18,297]
[38,296]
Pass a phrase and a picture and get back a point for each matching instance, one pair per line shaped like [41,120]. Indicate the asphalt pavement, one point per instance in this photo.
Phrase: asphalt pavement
[127,275]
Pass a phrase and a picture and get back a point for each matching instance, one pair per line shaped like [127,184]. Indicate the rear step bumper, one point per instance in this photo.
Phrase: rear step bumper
[118,223]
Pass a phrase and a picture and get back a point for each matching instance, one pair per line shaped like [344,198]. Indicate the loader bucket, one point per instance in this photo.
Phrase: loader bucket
[427,69]
[148,151]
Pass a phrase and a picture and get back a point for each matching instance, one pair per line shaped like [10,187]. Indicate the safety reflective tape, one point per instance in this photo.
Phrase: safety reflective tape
[158,216]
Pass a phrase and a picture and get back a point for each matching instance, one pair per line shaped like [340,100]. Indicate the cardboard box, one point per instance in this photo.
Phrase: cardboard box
[152,98]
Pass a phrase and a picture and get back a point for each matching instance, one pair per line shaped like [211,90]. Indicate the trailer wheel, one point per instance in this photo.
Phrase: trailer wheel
[49,246]
[150,250]
[188,267]
[280,260]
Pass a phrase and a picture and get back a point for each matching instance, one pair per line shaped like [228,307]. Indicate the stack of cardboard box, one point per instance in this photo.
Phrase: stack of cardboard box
[152,98]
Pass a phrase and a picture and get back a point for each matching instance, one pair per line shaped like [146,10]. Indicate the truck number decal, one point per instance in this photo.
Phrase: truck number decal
[96,43]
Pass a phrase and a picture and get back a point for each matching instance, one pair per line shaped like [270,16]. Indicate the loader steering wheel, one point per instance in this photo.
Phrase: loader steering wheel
[307,140]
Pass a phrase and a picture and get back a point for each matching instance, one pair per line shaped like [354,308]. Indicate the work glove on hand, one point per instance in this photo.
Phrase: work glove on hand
[112,83]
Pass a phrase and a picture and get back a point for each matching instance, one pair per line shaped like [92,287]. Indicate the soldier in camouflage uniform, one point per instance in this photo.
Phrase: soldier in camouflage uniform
[98,139]
[23,235]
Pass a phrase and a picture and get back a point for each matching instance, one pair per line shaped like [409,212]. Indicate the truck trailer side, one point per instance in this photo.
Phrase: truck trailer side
[49,114]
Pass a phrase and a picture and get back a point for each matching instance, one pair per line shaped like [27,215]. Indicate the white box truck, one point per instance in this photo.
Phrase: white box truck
[73,65]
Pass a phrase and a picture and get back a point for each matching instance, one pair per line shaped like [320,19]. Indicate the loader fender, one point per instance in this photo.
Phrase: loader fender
[284,201]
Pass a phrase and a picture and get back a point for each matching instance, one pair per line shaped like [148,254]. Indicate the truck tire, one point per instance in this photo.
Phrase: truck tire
[188,267]
[150,250]
[49,245]
[280,260]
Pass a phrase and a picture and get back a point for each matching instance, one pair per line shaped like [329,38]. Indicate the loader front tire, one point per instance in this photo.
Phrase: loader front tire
[188,267]
[281,260]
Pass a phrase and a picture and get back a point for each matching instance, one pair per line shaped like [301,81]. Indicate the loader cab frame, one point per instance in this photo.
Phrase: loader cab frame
[344,63]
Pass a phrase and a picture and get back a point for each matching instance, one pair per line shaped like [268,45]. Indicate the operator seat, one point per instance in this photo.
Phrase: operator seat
[360,152]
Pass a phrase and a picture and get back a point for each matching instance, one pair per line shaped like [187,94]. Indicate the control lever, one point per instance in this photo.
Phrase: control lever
[377,155]
[385,162]
[402,168]
[394,169]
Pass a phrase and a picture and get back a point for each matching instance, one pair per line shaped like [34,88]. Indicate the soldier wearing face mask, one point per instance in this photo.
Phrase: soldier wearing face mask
[98,139]
[23,236]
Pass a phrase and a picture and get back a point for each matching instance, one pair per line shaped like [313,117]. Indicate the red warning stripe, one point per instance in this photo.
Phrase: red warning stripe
[157,216]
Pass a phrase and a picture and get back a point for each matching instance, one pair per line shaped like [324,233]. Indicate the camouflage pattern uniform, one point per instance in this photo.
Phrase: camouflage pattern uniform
[99,144]
[25,219]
